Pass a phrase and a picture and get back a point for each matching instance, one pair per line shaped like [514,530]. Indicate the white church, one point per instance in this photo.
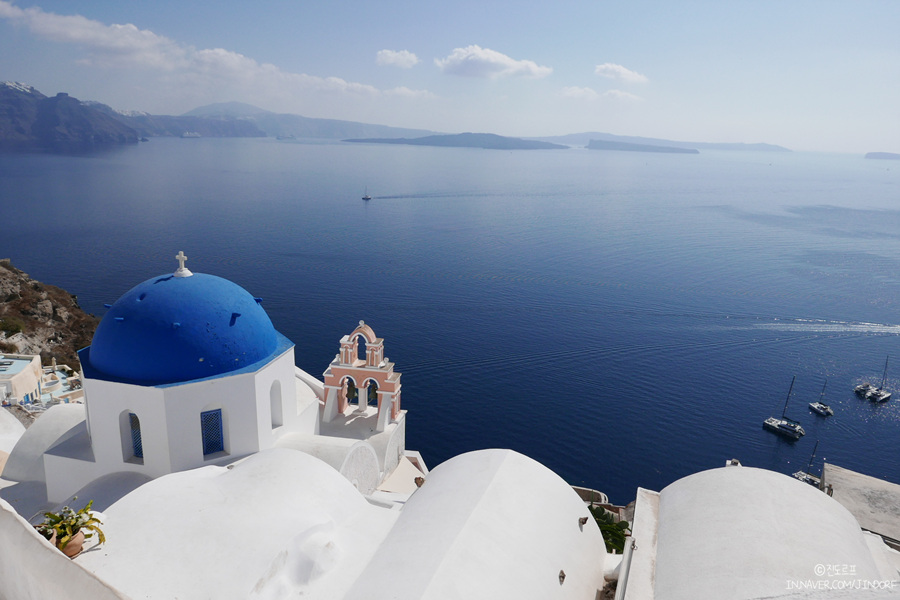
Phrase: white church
[221,470]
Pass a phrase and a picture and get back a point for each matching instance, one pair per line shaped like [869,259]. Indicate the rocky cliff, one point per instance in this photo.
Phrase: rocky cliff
[162,125]
[30,120]
[36,318]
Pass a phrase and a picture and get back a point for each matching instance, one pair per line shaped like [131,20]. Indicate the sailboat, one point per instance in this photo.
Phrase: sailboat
[819,406]
[366,196]
[806,476]
[880,394]
[876,394]
[785,426]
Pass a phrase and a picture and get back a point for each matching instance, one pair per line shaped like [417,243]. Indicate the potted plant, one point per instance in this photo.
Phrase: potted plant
[614,532]
[71,527]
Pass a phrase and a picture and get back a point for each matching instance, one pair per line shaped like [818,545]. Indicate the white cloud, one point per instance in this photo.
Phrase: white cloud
[405,92]
[475,61]
[590,95]
[581,93]
[106,44]
[126,46]
[403,59]
[620,95]
[614,71]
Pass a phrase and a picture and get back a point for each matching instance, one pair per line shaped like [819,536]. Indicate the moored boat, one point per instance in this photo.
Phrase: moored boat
[880,394]
[822,409]
[863,389]
[819,406]
[806,476]
[785,426]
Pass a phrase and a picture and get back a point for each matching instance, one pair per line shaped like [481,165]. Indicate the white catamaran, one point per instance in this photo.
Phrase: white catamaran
[785,426]
[875,394]
[819,406]
[806,476]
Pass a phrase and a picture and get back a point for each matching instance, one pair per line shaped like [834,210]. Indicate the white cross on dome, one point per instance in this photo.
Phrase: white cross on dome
[182,271]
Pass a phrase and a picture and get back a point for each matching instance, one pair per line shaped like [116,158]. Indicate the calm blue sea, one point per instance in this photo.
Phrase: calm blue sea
[626,319]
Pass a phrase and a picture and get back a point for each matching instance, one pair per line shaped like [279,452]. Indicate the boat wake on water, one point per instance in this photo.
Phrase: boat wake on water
[823,326]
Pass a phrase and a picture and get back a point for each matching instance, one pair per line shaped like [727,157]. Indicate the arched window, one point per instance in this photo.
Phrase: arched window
[132,440]
[352,392]
[137,445]
[361,348]
[212,431]
[276,405]
[372,394]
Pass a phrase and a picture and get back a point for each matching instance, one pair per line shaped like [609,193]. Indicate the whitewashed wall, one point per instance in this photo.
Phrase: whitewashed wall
[26,559]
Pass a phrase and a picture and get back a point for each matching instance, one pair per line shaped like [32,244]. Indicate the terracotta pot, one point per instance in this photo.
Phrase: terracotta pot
[73,548]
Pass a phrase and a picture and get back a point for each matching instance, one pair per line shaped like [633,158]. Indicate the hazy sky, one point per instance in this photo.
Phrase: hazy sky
[809,75]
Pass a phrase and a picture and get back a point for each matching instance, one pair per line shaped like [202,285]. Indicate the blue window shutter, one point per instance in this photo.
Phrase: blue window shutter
[211,429]
[136,443]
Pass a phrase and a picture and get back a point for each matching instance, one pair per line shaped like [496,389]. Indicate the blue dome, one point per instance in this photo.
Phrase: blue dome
[172,329]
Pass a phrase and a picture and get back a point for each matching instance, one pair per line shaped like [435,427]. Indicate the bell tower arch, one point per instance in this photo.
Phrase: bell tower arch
[374,372]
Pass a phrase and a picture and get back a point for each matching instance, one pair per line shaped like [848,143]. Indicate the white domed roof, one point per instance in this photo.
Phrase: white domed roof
[741,532]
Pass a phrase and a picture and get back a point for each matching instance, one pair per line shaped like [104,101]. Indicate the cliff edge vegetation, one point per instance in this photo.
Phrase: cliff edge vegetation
[36,318]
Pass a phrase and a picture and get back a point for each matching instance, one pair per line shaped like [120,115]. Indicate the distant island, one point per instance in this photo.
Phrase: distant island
[487,141]
[583,139]
[31,121]
[628,147]
[883,155]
